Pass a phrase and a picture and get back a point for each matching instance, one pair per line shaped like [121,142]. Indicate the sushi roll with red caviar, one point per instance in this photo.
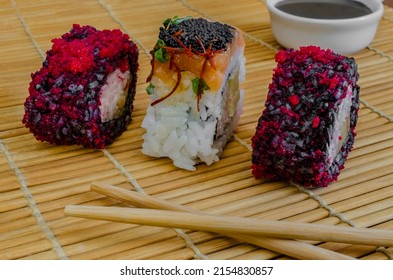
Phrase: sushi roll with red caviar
[83,94]
[196,100]
[308,125]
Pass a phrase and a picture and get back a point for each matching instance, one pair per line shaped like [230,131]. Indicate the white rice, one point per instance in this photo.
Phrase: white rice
[175,129]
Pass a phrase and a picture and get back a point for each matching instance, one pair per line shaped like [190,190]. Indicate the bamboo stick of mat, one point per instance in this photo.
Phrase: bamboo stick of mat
[288,247]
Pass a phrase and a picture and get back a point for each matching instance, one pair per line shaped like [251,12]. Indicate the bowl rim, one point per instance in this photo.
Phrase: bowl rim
[374,16]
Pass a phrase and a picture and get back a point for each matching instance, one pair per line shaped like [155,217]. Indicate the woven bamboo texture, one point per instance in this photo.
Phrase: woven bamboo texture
[38,180]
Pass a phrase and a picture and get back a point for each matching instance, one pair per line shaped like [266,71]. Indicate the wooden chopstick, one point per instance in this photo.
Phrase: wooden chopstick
[137,199]
[292,248]
[234,225]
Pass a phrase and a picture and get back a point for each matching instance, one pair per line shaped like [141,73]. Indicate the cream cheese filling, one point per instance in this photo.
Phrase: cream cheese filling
[340,127]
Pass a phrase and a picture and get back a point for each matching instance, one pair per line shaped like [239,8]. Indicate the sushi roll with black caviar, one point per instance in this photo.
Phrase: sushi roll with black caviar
[308,125]
[194,87]
[84,92]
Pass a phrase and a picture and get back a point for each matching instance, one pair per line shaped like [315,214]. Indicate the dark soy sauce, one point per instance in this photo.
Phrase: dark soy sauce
[333,9]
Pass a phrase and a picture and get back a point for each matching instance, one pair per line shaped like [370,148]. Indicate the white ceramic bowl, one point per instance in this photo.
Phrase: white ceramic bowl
[345,36]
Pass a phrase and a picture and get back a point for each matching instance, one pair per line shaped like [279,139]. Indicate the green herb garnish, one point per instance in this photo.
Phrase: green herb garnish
[197,84]
[160,43]
[174,21]
[160,53]
[150,89]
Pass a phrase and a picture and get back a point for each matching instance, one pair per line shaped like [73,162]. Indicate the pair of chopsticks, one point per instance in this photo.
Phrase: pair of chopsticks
[278,236]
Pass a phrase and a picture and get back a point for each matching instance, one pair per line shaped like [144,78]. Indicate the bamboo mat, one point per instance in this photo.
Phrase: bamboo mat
[38,180]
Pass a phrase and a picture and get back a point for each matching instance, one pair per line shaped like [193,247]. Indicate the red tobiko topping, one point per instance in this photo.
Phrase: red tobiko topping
[294,99]
[315,122]
[280,56]
[75,56]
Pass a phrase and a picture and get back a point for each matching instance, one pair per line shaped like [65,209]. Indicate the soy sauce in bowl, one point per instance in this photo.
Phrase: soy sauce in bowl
[343,26]
[333,9]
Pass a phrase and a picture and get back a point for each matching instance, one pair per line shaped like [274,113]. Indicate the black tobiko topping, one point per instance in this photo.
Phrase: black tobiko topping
[194,31]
